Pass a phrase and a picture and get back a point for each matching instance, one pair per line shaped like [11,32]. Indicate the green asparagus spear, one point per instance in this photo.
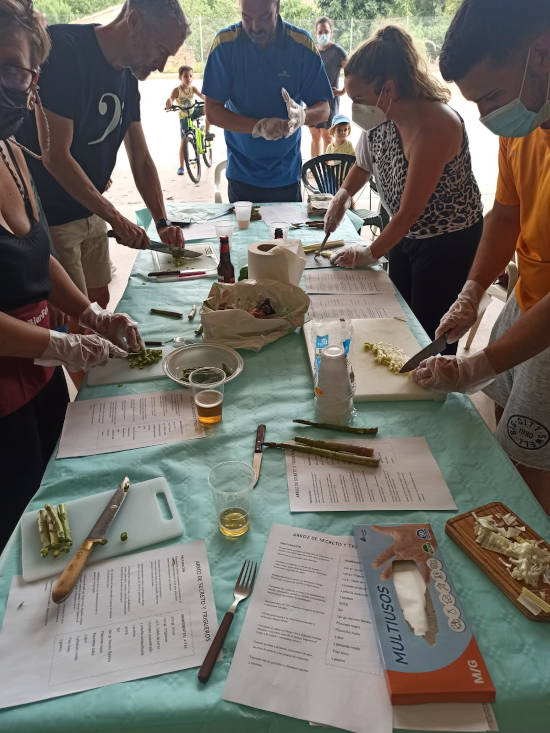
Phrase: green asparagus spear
[56,522]
[359,450]
[343,428]
[333,455]
[43,532]
[64,519]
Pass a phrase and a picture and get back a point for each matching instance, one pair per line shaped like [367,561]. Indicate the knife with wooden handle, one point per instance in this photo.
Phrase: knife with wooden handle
[258,447]
[68,578]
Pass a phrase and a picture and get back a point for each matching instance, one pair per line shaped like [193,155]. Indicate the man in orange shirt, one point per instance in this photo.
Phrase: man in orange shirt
[504,67]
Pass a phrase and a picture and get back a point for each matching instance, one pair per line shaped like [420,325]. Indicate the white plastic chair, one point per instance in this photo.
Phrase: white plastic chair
[217,179]
[494,291]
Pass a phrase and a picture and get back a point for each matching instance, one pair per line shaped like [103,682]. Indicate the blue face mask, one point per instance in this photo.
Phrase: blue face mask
[323,39]
[514,119]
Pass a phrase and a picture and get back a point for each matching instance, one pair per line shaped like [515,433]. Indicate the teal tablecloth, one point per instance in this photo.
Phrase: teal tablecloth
[274,388]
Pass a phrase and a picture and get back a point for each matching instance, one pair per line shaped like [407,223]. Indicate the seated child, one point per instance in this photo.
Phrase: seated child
[339,132]
[184,95]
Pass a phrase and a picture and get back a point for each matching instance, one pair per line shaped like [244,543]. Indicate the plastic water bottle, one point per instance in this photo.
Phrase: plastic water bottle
[334,389]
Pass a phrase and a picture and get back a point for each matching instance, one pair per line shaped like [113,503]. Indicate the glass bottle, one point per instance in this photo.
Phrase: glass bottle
[226,271]
[278,234]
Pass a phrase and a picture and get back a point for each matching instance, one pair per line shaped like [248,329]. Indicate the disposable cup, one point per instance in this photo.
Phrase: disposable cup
[231,484]
[243,210]
[207,385]
[224,229]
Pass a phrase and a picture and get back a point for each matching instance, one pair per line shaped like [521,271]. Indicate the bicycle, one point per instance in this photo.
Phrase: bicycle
[195,143]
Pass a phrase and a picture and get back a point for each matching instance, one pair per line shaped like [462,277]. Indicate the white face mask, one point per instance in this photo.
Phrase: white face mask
[367,116]
[323,39]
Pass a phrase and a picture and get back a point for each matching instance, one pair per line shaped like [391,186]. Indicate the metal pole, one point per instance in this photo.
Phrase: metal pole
[350,36]
[200,35]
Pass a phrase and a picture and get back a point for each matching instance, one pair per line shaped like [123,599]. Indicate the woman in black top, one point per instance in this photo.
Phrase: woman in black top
[33,393]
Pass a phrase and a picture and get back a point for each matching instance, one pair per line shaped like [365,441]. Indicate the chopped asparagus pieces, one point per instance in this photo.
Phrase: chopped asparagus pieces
[54,530]
[123,536]
[62,514]
[144,358]
[387,355]
[60,532]
[43,532]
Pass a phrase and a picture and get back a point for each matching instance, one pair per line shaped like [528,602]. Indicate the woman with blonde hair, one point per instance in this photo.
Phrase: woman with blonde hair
[416,148]
[33,392]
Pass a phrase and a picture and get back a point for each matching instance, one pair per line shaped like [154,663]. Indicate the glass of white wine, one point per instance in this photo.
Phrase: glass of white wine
[231,483]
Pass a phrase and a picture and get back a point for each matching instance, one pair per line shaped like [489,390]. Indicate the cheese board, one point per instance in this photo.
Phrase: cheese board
[532,601]
[374,382]
[148,516]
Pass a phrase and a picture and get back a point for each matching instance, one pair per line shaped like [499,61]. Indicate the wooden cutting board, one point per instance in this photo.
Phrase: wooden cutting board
[117,371]
[148,515]
[461,530]
[374,382]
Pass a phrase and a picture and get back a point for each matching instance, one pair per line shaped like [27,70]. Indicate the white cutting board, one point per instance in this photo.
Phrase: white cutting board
[374,382]
[141,516]
[117,371]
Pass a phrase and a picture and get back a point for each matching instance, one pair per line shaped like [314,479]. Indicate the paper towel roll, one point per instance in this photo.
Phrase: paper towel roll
[276,260]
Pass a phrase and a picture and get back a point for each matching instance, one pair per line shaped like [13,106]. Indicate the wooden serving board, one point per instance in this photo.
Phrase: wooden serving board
[461,530]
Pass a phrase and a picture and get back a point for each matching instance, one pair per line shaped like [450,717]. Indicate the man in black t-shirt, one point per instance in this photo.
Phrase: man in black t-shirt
[89,91]
[334,58]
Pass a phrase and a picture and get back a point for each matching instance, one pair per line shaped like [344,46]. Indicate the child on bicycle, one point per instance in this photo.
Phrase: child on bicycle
[183,96]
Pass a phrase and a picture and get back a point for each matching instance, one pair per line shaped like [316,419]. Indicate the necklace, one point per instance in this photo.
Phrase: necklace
[16,180]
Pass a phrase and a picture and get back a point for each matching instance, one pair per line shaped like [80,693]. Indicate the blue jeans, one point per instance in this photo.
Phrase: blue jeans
[238,191]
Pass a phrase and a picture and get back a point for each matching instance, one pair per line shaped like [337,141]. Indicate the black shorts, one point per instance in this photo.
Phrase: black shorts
[334,106]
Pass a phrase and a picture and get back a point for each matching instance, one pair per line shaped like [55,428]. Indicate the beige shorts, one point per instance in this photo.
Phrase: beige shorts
[82,247]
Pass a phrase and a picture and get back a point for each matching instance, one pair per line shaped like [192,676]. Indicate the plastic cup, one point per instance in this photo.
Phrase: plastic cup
[224,229]
[207,384]
[231,484]
[279,225]
[243,210]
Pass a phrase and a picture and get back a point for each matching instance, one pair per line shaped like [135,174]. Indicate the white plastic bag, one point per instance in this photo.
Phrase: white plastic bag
[227,320]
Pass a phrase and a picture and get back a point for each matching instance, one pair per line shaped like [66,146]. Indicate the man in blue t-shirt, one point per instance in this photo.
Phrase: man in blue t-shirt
[90,97]
[258,73]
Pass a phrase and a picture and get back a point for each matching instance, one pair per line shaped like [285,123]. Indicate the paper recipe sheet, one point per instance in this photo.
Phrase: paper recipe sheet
[376,305]
[351,282]
[307,647]
[128,618]
[130,421]
[407,478]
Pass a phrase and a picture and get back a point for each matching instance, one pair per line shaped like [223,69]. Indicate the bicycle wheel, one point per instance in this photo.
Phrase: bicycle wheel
[207,155]
[192,158]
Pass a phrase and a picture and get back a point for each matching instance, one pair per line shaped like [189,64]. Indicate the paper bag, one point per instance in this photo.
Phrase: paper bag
[227,319]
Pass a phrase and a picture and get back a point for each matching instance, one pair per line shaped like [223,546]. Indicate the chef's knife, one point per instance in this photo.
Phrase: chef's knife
[322,247]
[67,580]
[161,247]
[436,347]
[260,437]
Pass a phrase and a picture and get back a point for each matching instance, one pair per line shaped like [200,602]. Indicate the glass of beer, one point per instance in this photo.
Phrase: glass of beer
[231,484]
[207,384]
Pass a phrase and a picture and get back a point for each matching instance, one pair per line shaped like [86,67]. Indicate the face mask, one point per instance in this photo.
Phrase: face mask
[13,111]
[367,116]
[323,39]
[514,119]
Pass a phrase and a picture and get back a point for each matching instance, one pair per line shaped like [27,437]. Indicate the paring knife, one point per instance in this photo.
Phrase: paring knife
[257,462]
[67,580]
[436,347]
[322,247]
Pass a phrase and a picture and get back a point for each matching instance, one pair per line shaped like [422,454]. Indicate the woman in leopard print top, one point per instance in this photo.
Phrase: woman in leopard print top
[416,147]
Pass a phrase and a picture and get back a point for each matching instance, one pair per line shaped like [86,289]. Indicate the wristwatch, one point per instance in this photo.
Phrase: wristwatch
[161,223]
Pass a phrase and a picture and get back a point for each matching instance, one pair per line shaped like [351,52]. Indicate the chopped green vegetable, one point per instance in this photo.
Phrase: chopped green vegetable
[123,536]
[387,355]
[103,541]
[144,358]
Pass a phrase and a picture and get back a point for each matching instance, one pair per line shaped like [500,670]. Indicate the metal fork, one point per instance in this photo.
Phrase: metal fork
[209,252]
[243,588]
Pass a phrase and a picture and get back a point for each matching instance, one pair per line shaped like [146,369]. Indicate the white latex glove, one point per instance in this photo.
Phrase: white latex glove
[455,373]
[354,256]
[296,113]
[341,201]
[78,352]
[270,128]
[462,315]
[119,328]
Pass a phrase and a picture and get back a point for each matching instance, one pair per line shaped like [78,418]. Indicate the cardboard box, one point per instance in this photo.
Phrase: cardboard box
[428,651]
